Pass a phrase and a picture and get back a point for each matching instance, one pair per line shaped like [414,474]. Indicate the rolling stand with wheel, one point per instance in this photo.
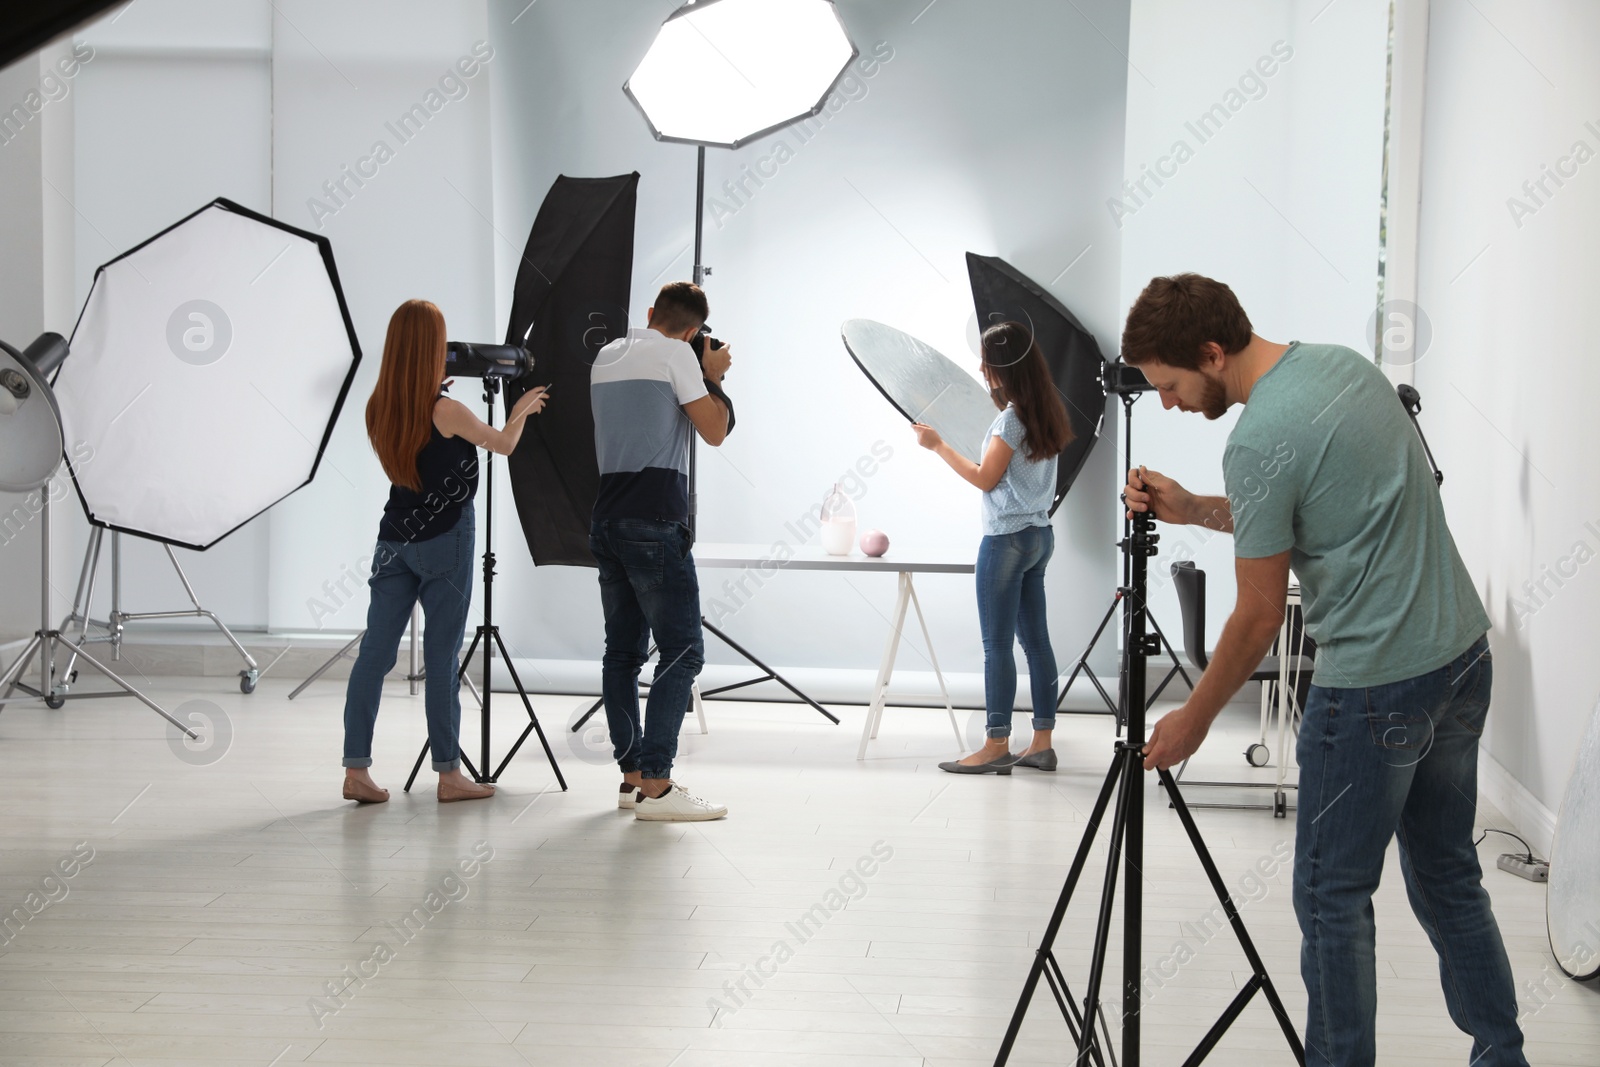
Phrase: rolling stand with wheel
[116,622]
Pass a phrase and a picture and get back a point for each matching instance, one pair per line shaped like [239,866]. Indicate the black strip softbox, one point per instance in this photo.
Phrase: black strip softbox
[1000,293]
[28,25]
[571,300]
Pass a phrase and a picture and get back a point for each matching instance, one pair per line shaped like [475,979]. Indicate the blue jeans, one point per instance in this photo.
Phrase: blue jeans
[438,572]
[647,586]
[1011,605]
[1397,759]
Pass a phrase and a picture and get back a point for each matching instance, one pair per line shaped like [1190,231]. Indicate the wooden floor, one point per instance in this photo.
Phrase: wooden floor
[242,913]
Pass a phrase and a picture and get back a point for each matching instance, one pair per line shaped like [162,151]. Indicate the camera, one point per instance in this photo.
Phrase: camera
[1123,380]
[466,360]
[702,342]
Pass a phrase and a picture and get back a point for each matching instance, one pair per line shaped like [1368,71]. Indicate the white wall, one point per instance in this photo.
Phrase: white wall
[36,176]
[992,129]
[172,112]
[1281,203]
[1508,385]
[420,227]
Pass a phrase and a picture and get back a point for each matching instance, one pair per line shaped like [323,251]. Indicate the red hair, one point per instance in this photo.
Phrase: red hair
[400,413]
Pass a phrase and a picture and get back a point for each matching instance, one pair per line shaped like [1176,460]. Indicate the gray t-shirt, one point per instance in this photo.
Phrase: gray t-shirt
[1325,464]
[1023,496]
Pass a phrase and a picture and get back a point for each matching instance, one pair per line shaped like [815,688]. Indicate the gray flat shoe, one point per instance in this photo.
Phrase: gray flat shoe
[1039,761]
[1002,765]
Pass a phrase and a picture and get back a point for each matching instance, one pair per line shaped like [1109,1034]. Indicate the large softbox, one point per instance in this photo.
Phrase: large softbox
[571,300]
[208,367]
[1000,292]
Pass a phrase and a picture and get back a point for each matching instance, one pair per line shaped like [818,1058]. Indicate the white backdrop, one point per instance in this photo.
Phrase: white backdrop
[1279,200]
[1507,280]
[991,129]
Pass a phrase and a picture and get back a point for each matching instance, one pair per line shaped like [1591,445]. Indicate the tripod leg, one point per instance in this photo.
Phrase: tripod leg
[600,702]
[533,720]
[1083,661]
[1239,931]
[776,677]
[8,682]
[1054,927]
[1128,780]
[1177,664]
[337,656]
[128,688]
[586,716]
[417,766]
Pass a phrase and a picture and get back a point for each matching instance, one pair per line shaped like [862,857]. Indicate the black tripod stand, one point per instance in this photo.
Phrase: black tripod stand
[1127,847]
[488,635]
[1128,391]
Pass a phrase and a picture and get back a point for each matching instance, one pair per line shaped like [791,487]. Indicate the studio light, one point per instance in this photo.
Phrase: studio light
[30,423]
[207,369]
[725,72]
[30,454]
[722,73]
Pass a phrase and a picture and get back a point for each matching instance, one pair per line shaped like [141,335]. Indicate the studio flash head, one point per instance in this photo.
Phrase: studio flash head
[466,360]
[1122,379]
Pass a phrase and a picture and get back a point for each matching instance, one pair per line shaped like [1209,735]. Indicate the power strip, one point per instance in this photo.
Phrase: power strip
[1522,867]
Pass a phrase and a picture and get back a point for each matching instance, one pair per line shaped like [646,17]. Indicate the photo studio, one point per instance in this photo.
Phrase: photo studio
[563,532]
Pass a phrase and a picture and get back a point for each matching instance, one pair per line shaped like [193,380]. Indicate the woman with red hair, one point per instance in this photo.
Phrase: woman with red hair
[428,445]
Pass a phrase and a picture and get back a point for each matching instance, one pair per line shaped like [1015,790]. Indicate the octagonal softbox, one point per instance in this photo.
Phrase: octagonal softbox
[725,72]
[208,367]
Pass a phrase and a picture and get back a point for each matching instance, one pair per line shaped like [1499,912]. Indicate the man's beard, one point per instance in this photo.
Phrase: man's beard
[1214,400]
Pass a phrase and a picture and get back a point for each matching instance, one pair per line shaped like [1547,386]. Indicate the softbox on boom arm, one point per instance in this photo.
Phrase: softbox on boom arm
[571,300]
[1000,293]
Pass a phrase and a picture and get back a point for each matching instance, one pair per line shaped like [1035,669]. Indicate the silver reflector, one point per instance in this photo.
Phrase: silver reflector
[923,384]
[30,425]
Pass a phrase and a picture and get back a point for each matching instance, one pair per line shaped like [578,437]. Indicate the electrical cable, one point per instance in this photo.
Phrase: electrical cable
[1489,830]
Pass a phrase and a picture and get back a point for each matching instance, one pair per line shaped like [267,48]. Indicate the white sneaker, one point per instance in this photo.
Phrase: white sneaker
[677,804]
[627,795]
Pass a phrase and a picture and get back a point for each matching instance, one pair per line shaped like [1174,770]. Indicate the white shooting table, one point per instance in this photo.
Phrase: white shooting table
[812,558]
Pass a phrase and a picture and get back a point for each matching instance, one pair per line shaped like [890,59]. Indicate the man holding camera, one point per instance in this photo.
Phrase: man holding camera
[1324,471]
[648,391]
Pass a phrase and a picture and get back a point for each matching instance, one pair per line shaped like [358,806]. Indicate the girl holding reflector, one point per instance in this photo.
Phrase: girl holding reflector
[1018,478]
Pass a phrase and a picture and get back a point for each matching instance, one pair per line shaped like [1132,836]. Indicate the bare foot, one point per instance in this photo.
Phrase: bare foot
[359,786]
[453,786]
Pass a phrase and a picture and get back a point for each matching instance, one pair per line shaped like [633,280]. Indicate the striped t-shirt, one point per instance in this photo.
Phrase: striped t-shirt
[637,390]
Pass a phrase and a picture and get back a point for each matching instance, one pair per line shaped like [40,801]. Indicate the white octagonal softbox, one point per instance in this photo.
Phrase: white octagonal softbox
[208,368]
[725,72]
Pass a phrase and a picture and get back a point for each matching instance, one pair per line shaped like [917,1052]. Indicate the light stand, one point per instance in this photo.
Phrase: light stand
[1128,395]
[116,622]
[724,73]
[488,635]
[701,271]
[31,448]
[1127,848]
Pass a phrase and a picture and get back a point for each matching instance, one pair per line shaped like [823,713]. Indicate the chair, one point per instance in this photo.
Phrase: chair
[1283,675]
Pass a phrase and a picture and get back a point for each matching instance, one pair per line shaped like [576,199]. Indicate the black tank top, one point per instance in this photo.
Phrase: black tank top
[448,469]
